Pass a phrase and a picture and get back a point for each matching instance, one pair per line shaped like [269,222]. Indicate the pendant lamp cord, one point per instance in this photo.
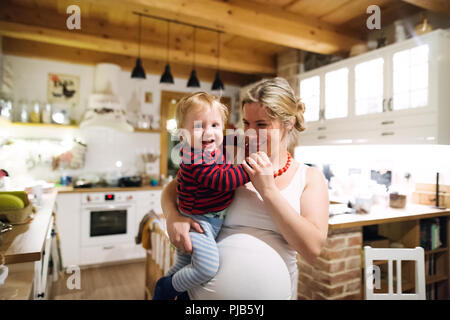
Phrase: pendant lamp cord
[194,47]
[168,40]
[218,50]
[139,44]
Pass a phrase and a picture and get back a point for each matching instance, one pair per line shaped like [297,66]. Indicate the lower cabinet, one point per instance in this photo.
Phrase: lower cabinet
[103,248]
[110,253]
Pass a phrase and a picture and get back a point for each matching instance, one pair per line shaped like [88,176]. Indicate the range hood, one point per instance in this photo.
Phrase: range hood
[104,106]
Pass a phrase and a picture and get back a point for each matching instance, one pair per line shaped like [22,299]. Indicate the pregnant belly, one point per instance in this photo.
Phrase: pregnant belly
[249,269]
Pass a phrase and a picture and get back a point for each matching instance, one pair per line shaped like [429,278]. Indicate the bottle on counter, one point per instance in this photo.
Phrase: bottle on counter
[35,115]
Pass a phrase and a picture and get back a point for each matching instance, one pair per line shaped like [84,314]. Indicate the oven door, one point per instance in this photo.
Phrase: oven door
[107,224]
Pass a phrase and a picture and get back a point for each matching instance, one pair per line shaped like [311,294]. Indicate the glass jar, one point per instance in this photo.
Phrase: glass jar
[23,115]
[35,115]
[47,113]
[6,109]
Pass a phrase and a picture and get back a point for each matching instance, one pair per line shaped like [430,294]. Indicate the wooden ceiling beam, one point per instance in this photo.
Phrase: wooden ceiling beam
[253,21]
[438,6]
[41,50]
[232,60]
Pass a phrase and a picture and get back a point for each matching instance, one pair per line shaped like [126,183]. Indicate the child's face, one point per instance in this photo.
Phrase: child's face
[205,127]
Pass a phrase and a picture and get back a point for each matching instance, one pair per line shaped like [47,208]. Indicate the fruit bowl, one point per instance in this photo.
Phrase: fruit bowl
[10,209]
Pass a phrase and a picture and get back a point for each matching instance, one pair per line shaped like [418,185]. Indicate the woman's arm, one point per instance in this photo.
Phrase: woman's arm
[307,232]
[178,226]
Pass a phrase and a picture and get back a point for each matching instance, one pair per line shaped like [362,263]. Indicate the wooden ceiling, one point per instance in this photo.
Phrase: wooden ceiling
[253,31]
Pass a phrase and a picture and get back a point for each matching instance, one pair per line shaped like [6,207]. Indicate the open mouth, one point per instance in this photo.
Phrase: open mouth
[206,143]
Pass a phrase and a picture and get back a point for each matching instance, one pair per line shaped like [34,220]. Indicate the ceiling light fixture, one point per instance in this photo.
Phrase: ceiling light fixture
[138,71]
[167,77]
[193,80]
[218,84]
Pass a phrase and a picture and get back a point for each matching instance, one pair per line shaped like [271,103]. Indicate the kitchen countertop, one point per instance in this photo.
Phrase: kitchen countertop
[25,242]
[106,189]
[382,214]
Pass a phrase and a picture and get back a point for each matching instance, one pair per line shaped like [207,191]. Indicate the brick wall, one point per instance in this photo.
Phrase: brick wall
[289,66]
[336,273]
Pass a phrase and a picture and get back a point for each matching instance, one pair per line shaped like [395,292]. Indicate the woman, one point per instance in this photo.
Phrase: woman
[271,218]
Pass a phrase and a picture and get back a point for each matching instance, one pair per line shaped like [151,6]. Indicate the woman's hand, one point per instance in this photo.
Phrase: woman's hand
[178,228]
[260,172]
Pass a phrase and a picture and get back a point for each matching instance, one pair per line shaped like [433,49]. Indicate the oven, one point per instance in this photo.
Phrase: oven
[107,218]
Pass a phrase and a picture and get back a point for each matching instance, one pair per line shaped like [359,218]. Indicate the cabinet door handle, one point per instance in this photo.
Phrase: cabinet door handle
[387,122]
[384,105]
[321,137]
[390,104]
[321,128]
[388,133]
[108,247]
[321,114]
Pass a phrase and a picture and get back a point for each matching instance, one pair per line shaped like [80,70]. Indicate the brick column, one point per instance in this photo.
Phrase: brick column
[289,66]
[336,273]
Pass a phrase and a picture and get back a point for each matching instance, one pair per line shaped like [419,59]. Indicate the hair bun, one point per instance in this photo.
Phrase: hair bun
[300,106]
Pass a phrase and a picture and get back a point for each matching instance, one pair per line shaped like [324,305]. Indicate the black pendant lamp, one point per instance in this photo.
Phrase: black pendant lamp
[166,77]
[193,80]
[218,84]
[138,71]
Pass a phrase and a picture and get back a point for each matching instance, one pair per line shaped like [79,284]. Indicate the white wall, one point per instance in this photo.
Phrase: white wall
[421,161]
[30,82]
[105,146]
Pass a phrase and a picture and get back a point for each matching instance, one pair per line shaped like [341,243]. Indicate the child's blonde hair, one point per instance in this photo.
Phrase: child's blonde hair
[199,99]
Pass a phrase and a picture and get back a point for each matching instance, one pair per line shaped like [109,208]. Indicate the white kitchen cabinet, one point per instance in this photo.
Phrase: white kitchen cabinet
[311,97]
[369,86]
[336,93]
[68,217]
[396,94]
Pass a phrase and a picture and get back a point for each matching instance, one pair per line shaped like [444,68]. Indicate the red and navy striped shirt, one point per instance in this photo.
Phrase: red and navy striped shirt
[206,181]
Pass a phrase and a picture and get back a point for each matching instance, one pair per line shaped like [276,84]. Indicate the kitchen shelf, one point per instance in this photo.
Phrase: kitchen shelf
[71,126]
[436,278]
[147,130]
[406,286]
[46,125]
[438,250]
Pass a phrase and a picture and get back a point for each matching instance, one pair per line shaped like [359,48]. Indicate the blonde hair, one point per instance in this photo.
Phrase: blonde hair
[280,102]
[197,99]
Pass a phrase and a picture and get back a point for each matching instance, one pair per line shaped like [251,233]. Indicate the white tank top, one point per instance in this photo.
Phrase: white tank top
[248,214]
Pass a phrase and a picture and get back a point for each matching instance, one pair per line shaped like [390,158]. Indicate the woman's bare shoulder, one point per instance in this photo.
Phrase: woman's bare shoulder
[313,175]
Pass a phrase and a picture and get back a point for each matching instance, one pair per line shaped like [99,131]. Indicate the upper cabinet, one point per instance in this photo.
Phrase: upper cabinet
[369,86]
[311,98]
[336,94]
[410,78]
[396,94]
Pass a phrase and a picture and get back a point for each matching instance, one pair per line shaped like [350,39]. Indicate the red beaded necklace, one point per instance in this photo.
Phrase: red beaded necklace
[284,169]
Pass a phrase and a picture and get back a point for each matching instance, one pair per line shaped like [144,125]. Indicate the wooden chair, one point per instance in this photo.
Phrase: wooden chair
[394,254]
[160,256]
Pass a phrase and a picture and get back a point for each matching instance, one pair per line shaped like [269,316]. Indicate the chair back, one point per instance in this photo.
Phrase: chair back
[372,273]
